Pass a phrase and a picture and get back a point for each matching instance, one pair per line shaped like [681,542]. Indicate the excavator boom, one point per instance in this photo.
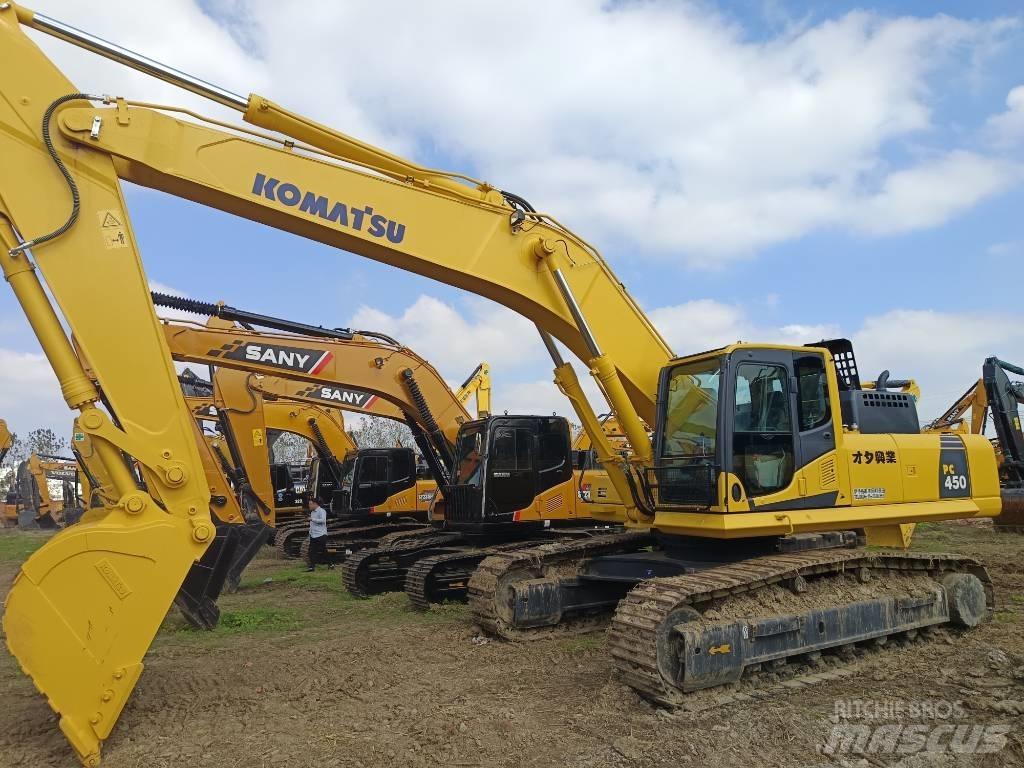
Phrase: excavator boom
[85,607]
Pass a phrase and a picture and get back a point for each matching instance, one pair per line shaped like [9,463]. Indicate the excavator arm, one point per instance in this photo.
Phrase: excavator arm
[328,366]
[478,384]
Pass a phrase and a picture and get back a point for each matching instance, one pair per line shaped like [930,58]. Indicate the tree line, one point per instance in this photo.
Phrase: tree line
[42,440]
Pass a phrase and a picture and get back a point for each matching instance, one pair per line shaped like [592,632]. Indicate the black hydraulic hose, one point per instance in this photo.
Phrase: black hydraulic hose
[76,200]
[224,312]
[437,469]
[1008,366]
[324,451]
[518,202]
[433,430]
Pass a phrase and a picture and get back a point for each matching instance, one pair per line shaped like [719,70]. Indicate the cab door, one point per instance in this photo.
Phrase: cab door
[761,448]
[371,480]
[814,421]
[511,467]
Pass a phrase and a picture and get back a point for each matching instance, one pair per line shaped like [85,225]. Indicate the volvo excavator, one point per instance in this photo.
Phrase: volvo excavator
[994,397]
[768,464]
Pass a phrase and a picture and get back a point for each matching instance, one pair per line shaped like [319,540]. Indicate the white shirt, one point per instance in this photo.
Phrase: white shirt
[317,522]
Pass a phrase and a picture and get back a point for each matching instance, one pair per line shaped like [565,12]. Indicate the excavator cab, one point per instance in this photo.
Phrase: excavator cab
[739,424]
[370,477]
[502,465]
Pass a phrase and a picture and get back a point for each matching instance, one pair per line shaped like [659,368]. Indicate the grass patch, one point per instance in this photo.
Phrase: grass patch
[257,620]
[584,644]
[320,580]
[16,546]
[242,622]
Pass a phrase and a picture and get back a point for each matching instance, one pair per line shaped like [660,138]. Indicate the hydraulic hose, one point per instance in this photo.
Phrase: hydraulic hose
[433,430]
[437,469]
[324,451]
[76,200]
[250,319]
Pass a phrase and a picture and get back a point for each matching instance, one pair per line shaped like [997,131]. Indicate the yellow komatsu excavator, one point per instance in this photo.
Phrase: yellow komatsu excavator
[993,397]
[766,465]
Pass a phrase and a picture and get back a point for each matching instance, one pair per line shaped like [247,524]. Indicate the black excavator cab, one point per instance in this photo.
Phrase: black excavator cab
[502,463]
[371,476]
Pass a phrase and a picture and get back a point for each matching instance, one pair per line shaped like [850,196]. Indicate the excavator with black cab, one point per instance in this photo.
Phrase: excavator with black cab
[744,507]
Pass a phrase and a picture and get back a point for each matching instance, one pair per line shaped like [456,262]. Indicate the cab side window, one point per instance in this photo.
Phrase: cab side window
[512,449]
[812,393]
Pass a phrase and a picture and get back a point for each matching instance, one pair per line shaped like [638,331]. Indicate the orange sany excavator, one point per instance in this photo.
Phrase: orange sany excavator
[265,406]
[765,465]
[381,491]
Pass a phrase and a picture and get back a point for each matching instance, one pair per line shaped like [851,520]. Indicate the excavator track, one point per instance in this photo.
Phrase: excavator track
[660,629]
[489,586]
[285,543]
[344,542]
[377,570]
[291,544]
[446,575]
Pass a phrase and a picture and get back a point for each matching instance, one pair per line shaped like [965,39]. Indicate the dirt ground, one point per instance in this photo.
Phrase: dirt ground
[300,674]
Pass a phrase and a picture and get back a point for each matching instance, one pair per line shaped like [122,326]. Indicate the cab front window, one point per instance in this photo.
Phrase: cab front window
[691,415]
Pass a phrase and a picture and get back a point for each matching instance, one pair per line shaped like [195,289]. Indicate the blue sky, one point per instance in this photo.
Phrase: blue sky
[770,171]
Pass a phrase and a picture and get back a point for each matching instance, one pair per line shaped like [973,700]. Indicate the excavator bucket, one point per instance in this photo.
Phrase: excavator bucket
[84,609]
[1011,519]
[220,569]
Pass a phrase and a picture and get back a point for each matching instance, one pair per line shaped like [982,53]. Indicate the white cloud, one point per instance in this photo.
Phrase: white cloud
[927,195]
[30,395]
[692,138]
[1006,248]
[705,324]
[455,343]
[942,351]
[1007,128]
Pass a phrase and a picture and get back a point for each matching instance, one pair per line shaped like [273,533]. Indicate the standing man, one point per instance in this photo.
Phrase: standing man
[317,535]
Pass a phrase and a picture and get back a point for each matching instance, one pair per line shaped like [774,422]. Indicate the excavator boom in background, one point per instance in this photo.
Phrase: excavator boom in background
[994,398]
[764,465]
